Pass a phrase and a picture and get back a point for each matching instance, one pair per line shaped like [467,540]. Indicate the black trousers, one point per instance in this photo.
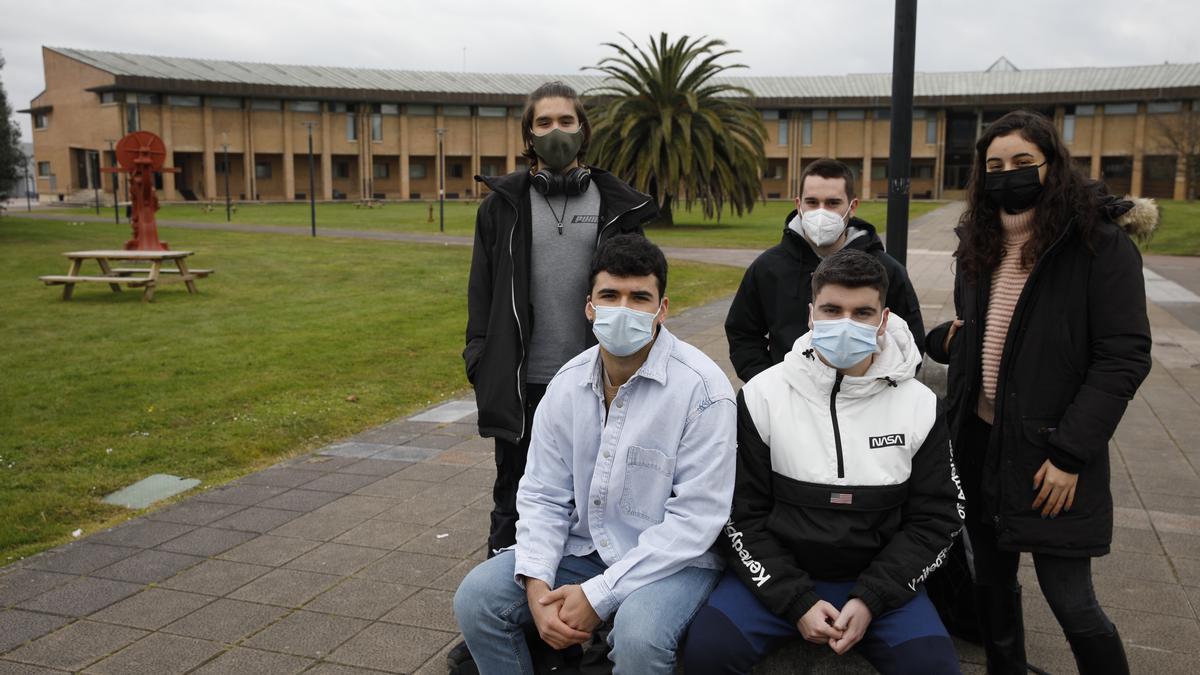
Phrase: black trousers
[510,466]
[1066,582]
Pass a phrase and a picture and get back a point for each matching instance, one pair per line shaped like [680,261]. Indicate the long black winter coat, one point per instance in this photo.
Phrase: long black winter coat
[770,309]
[1078,347]
[499,316]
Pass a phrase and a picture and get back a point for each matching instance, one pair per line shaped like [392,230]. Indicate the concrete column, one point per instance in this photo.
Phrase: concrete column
[209,161]
[1139,152]
[326,156]
[865,190]
[831,125]
[939,158]
[168,141]
[1180,178]
[512,143]
[289,159]
[1097,141]
[793,165]
[474,189]
[364,151]
[405,184]
[249,180]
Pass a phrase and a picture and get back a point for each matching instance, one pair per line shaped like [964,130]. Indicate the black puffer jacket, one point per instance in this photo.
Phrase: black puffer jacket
[499,315]
[770,309]
[1078,347]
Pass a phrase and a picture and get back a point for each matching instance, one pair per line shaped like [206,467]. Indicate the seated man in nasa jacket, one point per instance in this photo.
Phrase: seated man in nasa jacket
[846,496]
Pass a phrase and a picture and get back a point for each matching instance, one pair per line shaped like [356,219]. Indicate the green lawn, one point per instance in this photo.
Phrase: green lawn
[758,229]
[1179,231]
[104,390]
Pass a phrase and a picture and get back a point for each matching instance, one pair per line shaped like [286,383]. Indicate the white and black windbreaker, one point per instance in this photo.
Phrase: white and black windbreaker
[841,478]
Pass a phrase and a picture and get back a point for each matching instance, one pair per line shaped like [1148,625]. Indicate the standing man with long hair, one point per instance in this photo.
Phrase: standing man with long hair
[1050,345]
[535,235]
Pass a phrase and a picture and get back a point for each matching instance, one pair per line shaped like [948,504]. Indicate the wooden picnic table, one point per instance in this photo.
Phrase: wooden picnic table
[146,278]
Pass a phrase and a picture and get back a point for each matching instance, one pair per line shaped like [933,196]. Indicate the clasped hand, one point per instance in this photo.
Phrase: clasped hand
[563,616]
[824,624]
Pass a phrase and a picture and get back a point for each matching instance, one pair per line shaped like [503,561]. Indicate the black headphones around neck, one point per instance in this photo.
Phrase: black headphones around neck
[574,182]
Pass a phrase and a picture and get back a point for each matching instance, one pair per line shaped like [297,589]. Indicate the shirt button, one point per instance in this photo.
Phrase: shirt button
[620,403]
[596,502]
[604,542]
[607,454]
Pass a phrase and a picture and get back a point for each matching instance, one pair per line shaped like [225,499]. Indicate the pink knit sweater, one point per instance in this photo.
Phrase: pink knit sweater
[1007,284]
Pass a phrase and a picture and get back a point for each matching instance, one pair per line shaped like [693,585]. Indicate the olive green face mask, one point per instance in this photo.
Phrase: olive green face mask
[558,148]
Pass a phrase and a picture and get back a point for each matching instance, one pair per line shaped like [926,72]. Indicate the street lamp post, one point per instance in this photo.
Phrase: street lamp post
[28,199]
[900,153]
[228,202]
[94,169]
[441,135]
[116,201]
[312,179]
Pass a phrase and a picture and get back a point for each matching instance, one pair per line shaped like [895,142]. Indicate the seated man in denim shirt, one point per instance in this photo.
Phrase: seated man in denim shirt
[629,482]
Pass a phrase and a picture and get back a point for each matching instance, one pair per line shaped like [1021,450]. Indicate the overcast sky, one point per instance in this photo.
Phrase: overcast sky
[776,37]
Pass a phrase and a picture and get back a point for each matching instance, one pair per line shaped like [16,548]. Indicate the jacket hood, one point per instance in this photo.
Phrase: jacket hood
[616,195]
[1138,216]
[896,361]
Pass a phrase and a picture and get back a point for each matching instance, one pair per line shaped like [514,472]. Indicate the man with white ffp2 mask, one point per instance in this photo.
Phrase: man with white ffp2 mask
[629,481]
[770,309]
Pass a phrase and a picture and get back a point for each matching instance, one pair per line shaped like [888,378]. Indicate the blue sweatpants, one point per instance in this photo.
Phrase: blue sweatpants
[733,631]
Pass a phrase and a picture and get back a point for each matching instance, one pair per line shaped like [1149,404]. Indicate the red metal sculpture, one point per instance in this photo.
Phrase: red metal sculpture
[141,154]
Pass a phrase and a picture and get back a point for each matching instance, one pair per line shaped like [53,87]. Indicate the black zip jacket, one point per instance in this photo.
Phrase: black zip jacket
[1078,347]
[499,314]
[770,309]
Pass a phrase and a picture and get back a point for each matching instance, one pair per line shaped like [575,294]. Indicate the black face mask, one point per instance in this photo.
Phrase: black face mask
[1014,191]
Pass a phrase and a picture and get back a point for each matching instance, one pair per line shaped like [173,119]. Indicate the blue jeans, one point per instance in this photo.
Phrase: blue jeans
[492,611]
[734,631]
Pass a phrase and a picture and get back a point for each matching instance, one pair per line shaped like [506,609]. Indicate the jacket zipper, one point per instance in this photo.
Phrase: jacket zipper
[600,234]
[512,294]
[837,434]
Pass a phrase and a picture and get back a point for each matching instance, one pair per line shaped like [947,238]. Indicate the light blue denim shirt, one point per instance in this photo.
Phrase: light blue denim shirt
[649,488]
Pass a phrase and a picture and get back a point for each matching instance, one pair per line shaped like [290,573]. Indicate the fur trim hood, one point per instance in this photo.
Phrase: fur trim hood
[1138,216]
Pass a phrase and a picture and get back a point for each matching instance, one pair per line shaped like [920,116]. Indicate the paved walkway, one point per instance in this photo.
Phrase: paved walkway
[345,560]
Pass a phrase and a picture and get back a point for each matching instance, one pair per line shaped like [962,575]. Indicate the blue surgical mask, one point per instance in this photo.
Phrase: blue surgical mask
[623,331]
[844,342]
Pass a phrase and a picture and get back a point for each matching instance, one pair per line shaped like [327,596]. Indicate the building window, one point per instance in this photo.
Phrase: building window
[1120,108]
[340,108]
[222,167]
[1159,107]
[1085,110]
[376,127]
[456,170]
[226,102]
[351,127]
[918,113]
[783,130]
[262,170]
[182,101]
[150,99]
[456,110]
[108,97]
[770,114]
[820,114]
[883,114]
[389,108]
[923,170]
[132,118]
[305,106]
[270,104]
[806,130]
[1069,127]
[43,169]
[416,171]
[341,170]
[492,111]
[851,114]
[931,130]
[381,170]
[489,170]
[879,168]
[41,120]
[420,109]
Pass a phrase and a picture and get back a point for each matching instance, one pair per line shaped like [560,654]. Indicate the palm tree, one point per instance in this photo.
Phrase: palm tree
[663,123]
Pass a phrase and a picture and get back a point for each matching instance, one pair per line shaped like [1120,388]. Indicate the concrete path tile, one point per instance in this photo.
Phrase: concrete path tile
[427,608]
[284,477]
[285,588]
[225,620]
[406,453]
[141,533]
[1188,571]
[79,558]
[317,526]
[158,654]
[148,567]
[75,646]
[443,541]
[307,634]
[256,519]
[1181,545]
[18,626]
[386,434]
[436,441]
[19,584]
[339,559]
[151,609]
[410,569]
[207,541]
[244,495]
[395,487]
[216,577]
[1148,566]
[361,507]
[81,597]
[361,598]
[300,500]
[269,550]
[193,512]
[318,463]
[14,668]
[378,647]
[339,669]
[241,660]
[451,578]
[1156,631]
[474,477]
[340,482]
[380,534]
[433,473]
[373,467]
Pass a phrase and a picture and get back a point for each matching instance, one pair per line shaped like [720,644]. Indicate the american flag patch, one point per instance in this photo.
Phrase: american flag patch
[841,498]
